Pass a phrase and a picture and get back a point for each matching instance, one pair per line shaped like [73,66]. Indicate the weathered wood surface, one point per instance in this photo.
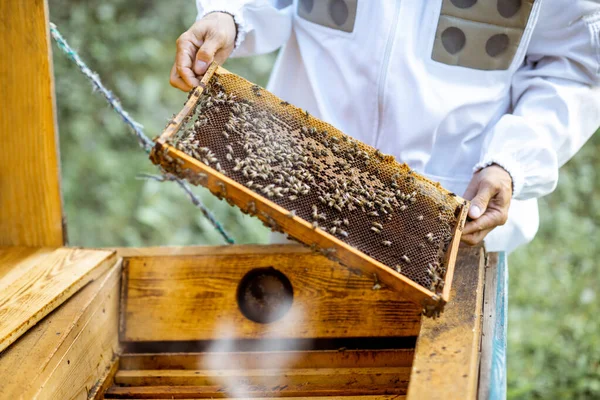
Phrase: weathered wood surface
[218,392]
[293,378]
[262,359]
[33,282]
[66,354]
[30,198]
[446,364]
[183,392]
[193,297]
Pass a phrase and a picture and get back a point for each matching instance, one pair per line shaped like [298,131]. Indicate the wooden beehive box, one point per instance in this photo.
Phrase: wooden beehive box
[228,322]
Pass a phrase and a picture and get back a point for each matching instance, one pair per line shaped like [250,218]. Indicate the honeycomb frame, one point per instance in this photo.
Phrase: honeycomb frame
[279,218]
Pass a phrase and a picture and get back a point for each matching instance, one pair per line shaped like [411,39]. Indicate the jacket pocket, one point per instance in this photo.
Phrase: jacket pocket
[337,15]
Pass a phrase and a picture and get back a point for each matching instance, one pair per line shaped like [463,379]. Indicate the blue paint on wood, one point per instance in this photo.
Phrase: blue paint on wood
[498,373]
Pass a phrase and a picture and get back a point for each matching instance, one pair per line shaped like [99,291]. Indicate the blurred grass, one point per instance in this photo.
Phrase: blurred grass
[554,343]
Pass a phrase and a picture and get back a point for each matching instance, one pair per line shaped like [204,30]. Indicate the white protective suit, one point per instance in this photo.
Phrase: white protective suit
[447,86]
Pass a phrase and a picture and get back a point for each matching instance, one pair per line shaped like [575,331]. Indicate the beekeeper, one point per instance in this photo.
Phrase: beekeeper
[488,97]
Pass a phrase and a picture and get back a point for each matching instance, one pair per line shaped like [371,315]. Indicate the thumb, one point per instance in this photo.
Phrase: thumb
[481,200]
[206,53]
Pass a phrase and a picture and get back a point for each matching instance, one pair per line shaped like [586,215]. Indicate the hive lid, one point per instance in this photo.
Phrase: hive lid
[304,177]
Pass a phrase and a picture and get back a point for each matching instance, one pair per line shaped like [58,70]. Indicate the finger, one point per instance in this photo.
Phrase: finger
[489,220]
[482,198]
[207,52]
[183,60]
[177,82]
[471,189]
[475,238]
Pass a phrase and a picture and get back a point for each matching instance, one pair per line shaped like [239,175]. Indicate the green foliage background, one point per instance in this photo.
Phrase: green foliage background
[554,329]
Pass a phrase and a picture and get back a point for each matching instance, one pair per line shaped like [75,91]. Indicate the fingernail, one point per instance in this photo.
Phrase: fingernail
[475,212]
[200,67]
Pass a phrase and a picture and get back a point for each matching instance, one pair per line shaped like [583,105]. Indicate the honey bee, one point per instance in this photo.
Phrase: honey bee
[374,229]
[284,103]
[429,237]
[420,218]
[405,258]
[344,233]
[377,225]
[386,243]
[398,268]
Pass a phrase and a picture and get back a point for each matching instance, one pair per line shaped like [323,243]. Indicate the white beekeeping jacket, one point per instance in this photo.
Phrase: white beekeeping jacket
[447,86]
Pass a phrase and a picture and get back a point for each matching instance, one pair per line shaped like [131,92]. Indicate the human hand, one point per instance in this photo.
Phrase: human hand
[490,192]
[210,39]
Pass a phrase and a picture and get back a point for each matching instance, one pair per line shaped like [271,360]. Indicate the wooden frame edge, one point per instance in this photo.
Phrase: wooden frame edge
[277,218]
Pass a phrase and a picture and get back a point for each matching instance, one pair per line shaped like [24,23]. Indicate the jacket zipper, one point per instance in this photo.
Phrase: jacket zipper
[384,70]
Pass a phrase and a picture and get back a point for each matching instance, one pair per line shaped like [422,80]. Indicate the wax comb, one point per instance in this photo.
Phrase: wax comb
[304,177]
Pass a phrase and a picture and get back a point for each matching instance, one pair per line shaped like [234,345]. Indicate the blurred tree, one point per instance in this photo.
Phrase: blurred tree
[554,340]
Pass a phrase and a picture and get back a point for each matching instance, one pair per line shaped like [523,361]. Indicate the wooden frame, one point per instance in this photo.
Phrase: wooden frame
[30,201]
[280,219]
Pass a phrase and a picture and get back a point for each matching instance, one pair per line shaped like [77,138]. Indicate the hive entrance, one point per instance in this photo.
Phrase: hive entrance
[340,186]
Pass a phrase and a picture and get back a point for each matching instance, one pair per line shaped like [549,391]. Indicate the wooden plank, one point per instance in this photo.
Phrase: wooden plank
[217,392]
[359,397]
[97,393]
[45,285]
[262,359]
[295,379]
[177,298]
[30,204]
[66,353]
[17,261]
[446,363]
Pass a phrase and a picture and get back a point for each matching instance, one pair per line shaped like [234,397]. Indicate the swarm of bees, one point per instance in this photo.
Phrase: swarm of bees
[328,179]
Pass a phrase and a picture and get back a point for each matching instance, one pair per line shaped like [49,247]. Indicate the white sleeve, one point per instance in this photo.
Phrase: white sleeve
[555,99]
[262,25]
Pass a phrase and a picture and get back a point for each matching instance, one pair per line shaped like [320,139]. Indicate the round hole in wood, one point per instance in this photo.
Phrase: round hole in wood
[265,295]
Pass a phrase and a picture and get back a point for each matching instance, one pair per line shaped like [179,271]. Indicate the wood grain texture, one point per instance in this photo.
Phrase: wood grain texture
[489,320]
[294,379]
[446,364]
[193,297]
[258,359]
[217,392]
[66,353]
[30,198]
[35,284]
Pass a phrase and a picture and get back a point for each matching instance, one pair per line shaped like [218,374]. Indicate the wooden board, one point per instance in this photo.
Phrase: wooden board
[193,297]
[446,364]
[69,351]
[30,200]
[277,373]
[36,282]
[260,359]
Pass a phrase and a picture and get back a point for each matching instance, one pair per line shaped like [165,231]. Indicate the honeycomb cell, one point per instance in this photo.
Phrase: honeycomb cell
[464,3]
[338,10]
[509,8]
[497,44]
[453,40]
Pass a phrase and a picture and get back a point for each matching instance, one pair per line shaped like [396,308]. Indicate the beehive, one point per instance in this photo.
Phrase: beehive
[302,176]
